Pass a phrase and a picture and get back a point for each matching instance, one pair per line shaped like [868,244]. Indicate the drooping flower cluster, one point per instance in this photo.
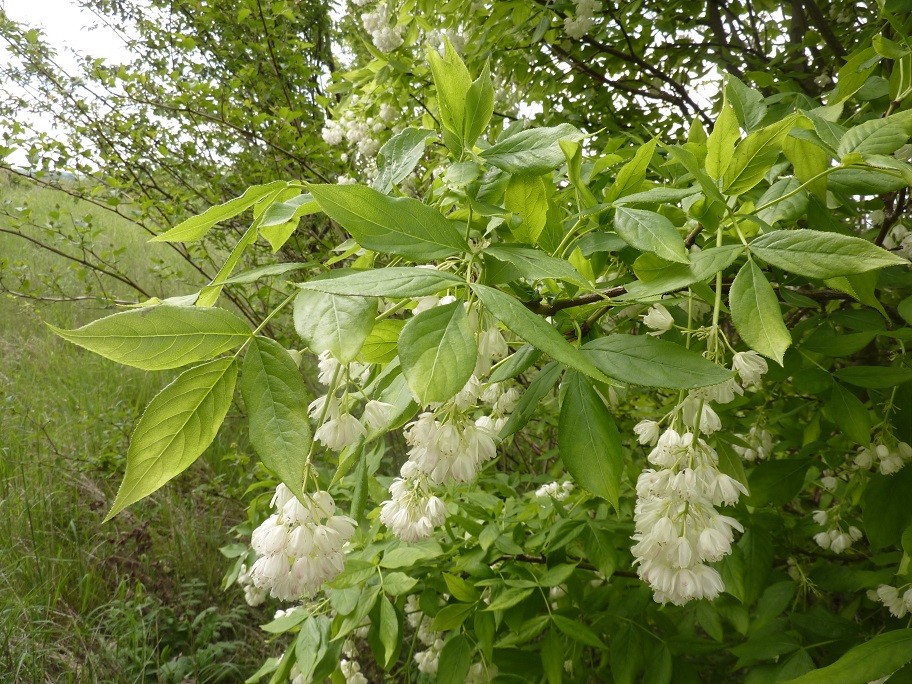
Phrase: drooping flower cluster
[678,529]
[357,131]
[253,595]
[898,604]
[887,460]
[300,546]
[760,443]
[450,442]
[386,38]
[583,18]
[428,659]
[834,538]
[559,491]
[337,427]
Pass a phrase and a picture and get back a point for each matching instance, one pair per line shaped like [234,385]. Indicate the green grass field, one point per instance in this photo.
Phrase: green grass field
[139,598]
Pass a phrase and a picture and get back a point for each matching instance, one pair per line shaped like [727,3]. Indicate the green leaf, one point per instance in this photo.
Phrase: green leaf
[160,337]
[398,583]
[747,102]
[509,598]
[720,146]
[455,661]
[452,81]
[390,225]
[479,106]
[777,482]
[879,657]
[849,414]
[275,396]
[535,330]
[670,276]
[534,264]
[196,227]
[654,196]
[577,631]
[334,323]
[552,656]
[885,508]
[460,589]
[450,617]
[533,151]
[644,360]
[438,352]
[289,211]
[626,654]
[588,440]
[877,136]
[389,631]
[255,274]
[787,210]
[650,232]
[519,362]
[874,377]
[632,174]
[176,427]
[527,405]
[395,282]
[754,156]
[816,254]
[399,156]
[525,196]
[380,346]
[756,314]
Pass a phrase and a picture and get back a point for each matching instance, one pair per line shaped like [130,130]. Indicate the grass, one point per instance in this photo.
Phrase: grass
[137,599]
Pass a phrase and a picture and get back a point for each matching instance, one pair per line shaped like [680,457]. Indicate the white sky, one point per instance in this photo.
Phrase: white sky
[66,24]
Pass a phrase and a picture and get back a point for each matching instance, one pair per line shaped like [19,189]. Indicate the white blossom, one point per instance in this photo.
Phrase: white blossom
[300,546]
[647,432]
[351,670]
[658,319]
[378,415]
[412,512]
[760,441]
[750,367]
[678,529]
[341,432]
[559,491]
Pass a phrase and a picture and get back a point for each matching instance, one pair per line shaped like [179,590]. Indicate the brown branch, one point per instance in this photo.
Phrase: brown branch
[83,262]
[823,26]
[896,209]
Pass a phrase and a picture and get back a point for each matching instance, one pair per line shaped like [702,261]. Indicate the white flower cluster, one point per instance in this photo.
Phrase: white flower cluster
[300,546]
[351,670]
[457,40]
[678,529]
[559,491]
[429,659]
[899,239]
[696,409]
[448,443]
[834,538]
[386,38]
[761,444]
[338,427]
[253,595]
[888,460]
[889,596]
[583,18]
[359,133]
